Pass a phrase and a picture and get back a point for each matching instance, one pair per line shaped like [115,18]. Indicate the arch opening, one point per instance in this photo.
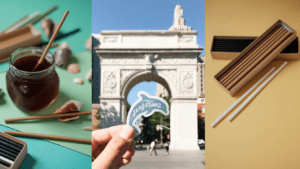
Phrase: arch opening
[158,118]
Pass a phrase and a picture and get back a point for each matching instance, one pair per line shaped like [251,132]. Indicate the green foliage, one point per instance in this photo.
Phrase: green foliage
[149,132]
[128,108]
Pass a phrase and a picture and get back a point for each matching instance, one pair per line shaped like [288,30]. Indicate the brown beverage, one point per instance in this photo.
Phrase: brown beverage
[32,91]
[28,63]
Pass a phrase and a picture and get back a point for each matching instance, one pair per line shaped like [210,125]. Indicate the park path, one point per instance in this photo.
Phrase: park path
[175,160]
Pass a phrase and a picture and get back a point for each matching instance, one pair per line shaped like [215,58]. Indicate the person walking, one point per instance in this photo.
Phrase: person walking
[167,147]
[152,148]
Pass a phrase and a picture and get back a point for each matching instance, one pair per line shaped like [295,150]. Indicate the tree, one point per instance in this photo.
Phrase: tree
[149,132]
[128,108]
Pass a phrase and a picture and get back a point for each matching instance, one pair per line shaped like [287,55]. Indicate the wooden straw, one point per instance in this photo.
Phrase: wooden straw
[259,59]
[51,40]
[45,136]
[257,55]
[256,92]
[253,52]
[47,116]
[241,98]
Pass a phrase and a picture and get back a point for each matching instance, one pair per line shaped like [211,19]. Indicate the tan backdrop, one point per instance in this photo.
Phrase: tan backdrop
[266,134]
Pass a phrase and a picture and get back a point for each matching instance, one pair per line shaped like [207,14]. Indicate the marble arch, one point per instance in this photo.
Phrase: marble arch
[168,57]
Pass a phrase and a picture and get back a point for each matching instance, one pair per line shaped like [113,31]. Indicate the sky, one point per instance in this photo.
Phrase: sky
[146,15]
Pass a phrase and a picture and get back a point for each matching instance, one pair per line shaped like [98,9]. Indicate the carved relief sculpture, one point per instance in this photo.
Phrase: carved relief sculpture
[187,82]
[110,82]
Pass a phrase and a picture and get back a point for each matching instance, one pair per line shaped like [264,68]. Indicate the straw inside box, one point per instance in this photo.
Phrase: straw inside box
[237,44]
[9,151]
[254,56]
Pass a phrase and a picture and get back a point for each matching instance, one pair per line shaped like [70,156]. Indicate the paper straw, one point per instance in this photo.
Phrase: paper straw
[241,98]
[45,136]
[254,56]
[10,151]
[256,92]
[10,146]
[7,156]
[259,59]
[6,160]
[11,142]
[249,56]
[47,116]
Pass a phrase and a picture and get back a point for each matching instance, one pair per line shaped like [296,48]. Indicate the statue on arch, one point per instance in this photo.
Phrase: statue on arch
[179,21]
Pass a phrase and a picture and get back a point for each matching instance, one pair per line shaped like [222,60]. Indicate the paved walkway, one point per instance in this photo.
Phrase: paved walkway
[175,160]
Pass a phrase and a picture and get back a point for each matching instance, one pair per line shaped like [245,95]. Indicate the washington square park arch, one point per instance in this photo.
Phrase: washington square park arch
[168,57]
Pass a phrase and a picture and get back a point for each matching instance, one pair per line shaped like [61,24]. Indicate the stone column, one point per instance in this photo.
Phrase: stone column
[110,112]
[184,128]
[96,116]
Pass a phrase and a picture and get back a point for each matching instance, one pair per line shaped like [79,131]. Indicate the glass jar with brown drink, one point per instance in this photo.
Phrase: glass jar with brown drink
[32,90]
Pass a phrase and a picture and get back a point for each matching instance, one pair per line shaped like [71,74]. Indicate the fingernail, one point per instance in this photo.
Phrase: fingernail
[130,141]
[126,132]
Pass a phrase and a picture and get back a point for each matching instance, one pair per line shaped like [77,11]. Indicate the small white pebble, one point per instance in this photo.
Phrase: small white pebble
[78,80]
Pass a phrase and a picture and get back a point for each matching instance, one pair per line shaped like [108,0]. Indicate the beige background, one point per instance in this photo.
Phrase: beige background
[266,134]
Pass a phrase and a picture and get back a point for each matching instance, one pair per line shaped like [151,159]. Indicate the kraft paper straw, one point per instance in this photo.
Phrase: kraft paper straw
[241,98]
[259,60]
[258,55]
[246,66]
[270,40]
[253,51]
[47,116]
[45,136]
[269,43]
[256,92]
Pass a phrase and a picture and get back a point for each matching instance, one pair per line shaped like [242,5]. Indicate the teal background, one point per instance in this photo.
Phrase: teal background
[59,154]
[44,154]
[78,18]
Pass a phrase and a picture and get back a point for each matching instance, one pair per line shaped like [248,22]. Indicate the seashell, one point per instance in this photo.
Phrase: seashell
[62,55]
[48,26]
[73,68]
[78,80]
[87,128]
[68,107]
[88,44]
[88,75]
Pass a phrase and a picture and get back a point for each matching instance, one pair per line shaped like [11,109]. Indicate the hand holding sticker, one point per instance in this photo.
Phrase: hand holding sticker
[145,106]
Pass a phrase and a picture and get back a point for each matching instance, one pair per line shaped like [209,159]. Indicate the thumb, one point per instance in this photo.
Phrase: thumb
[115,149]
